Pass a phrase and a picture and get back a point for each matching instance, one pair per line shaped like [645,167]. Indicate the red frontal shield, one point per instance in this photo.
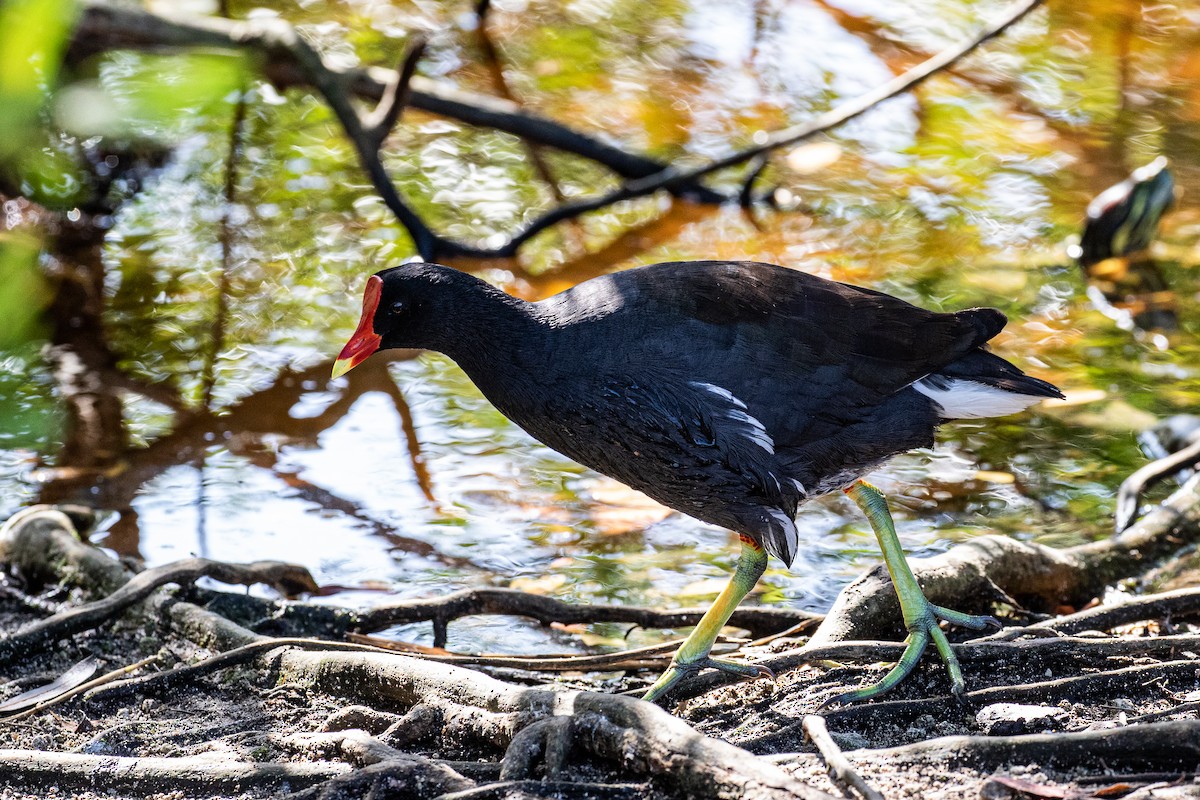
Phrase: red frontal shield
[365,340]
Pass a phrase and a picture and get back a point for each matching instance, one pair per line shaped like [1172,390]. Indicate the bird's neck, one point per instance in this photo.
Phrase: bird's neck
[492,335]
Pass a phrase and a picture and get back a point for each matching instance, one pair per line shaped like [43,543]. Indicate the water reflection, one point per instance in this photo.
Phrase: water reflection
[230,441]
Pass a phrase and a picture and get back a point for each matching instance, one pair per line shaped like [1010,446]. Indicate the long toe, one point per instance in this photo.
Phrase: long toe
[747,671]
[972,621]
[915,644]
[680,670]
[674,674]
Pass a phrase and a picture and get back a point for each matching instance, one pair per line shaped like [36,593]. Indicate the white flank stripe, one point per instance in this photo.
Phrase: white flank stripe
[757,433]
[719,392]
[752,429]
[963,399]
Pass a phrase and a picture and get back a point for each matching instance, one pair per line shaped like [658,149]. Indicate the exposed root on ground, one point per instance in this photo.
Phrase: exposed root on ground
[996,569]
[394,718]
[39,769]
[476,712]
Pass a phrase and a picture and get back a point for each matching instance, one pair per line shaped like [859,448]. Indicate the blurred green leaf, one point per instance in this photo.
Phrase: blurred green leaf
[142,95]
[22,291]
[33,34]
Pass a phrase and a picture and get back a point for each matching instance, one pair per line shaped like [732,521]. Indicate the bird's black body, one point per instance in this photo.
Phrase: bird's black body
[731,391]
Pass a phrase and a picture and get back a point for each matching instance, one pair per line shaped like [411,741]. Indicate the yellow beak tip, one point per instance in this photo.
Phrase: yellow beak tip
[341,367]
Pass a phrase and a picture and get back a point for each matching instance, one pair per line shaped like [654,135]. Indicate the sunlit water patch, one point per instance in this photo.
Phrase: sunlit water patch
[961,194]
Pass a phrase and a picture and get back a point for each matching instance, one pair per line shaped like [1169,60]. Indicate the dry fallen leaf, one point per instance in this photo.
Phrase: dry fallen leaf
[808,159]
[617,509]
[1075,397]
[989,476]
[1029,788]
[542,584]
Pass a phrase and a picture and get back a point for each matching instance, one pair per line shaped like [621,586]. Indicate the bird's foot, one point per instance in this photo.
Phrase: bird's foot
[922,627]
[684,669]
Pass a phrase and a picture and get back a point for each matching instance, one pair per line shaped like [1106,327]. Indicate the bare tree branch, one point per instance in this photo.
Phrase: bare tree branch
[381,121]
[103,27]
[285,46]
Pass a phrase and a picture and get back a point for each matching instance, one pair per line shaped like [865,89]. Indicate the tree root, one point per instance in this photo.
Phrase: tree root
[381,767]
[558,790]
[640,738]
[760,621]
[32,542]
[988,651]
[287,577]
[38,769]
[991,568]
[1162,746]
[1179,603]
[1135,681]
[841,771]
[547,740]
[542,733]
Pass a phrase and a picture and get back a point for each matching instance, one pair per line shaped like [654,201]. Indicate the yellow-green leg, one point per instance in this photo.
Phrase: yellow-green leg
[692,655]
[920,616]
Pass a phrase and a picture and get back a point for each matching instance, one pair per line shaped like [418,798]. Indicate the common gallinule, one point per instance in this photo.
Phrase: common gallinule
[1122,222]
[1123,219]
[730,391]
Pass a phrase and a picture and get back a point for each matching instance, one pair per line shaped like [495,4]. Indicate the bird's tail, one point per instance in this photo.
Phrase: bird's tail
[982,384]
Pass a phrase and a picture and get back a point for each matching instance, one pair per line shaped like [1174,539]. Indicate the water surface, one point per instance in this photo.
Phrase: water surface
[401,481]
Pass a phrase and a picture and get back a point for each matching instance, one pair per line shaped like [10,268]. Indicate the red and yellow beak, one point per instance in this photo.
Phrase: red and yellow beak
[365,340]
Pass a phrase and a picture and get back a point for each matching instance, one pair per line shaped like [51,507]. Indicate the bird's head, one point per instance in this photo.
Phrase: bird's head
[413,305]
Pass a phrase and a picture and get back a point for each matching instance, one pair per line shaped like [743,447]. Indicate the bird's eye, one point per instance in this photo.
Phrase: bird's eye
[397,306]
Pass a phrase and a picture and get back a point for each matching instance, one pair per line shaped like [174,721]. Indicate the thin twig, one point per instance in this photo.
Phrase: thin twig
[673,177]
[381,121]
[106,678]
[1180,602]
[293,579]
[648,657]
[975,651]
[841,771]
[1182,708]
[1138,680]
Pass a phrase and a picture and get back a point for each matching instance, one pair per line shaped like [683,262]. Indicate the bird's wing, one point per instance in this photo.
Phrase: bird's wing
[887,342]
[690,445]
[798,349]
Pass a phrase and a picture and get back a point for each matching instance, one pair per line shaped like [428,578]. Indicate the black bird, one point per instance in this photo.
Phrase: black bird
[730,391]
[1122,222]
[1123,219]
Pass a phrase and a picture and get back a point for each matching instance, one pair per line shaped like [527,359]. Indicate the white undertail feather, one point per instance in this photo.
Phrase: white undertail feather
[963,399]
